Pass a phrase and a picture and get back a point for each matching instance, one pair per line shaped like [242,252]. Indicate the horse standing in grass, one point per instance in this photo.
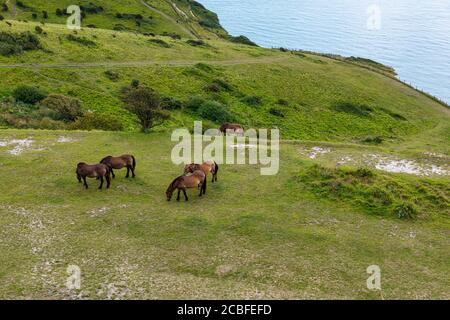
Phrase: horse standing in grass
[195,180]
[118,163]
[97,171]
[206,167]
[232,127]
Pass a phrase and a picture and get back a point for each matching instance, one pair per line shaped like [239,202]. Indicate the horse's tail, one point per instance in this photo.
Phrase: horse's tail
[134,162]
[216,169]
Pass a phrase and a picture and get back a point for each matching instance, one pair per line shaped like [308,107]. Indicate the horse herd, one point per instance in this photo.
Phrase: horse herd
[194,176]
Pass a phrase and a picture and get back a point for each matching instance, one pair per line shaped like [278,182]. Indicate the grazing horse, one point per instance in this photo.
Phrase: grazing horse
[206,167]
[97,171]
[234,127]
[195,180]
[126,160]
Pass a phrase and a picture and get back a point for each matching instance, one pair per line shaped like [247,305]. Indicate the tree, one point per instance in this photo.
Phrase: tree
[145,103]
[65,108]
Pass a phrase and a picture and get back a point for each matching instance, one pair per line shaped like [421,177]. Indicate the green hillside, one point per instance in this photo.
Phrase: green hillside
[183,17]
[363,180]
[306,96]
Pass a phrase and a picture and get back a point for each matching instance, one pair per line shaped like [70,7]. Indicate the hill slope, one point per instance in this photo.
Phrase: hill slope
[183,17]
[307,96]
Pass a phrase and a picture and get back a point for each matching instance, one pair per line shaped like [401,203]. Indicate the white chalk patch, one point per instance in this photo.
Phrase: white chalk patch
[409,167]
[316,151]
[63,139]
[20,145]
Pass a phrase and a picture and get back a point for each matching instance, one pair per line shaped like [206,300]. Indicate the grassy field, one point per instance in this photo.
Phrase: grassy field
[250,237]
[336,206]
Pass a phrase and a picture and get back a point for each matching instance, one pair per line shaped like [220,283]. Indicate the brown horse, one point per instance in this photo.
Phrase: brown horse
[97,171]
[126,160]
[206,167]
[232,127]
[195,180]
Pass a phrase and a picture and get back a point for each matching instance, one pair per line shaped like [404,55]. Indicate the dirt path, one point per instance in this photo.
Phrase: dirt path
[142,63]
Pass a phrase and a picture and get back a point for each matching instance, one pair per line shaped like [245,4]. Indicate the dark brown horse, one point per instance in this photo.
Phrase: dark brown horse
[232,127]
[206,167]
[97,171]
[126,160]
[195,180]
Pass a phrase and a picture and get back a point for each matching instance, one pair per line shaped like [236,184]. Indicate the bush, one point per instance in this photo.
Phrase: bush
[12,43]
[283,102]
[194,103]
[2,18]
[171,103]
[97,121]
[81,40]
[160,42]
[276,112]
[112,75]
[243,40]
[173,35]
[28,94]
[4,7]
[373,140]
[252,100]
[38,30]
[214,111]
[65,108]
[135,83]
[45,14]
[360,110]
[405,211]
[197,43]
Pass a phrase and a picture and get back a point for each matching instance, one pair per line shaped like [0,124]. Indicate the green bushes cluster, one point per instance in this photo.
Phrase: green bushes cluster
[81,40]
[29,94]
[14,44]
[97,121]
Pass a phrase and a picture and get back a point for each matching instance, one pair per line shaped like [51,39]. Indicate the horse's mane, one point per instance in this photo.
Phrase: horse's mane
[172,185]
[104,159]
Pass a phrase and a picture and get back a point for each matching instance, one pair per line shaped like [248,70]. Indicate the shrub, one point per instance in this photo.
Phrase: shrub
[360,110]
[59,12]
[283,102]
[243,40]
[12,43]
[194,103]
[2,18]
[4,7]
[160,42]
[65,108]
[214,111]
[373,140]
[276,112]
[197,43]
[405,211]
[81,40]
[28,94]
[97,121]
[252,100]
[45,14]
[135,83]
[112,75]
[34,15]
[171,103]
[173,35]
[38,29]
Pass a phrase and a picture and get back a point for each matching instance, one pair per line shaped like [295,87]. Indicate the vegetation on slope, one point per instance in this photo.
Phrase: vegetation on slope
[306,96]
